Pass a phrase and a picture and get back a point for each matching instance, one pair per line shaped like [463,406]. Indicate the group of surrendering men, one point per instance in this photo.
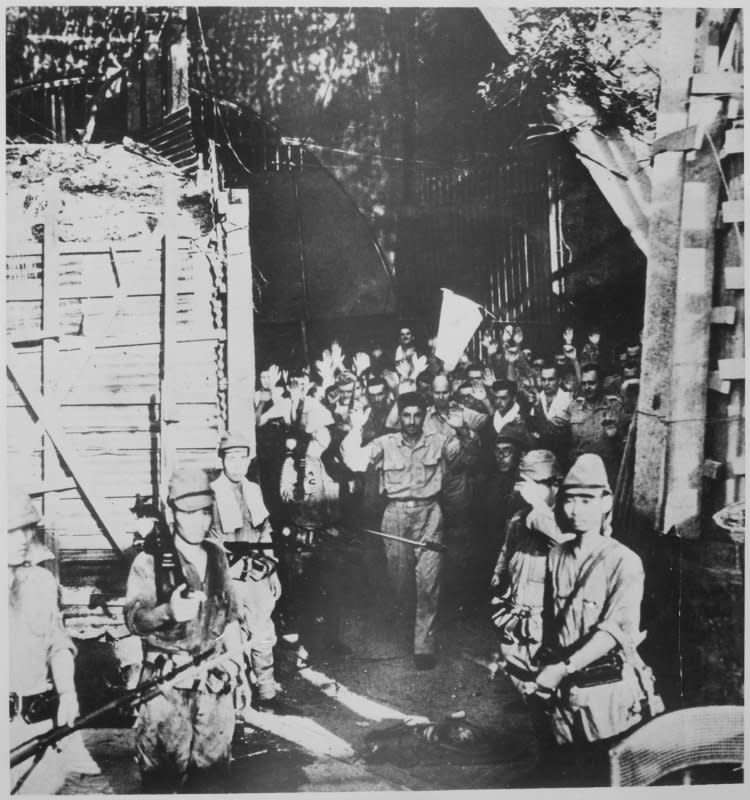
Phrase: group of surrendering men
[485,490]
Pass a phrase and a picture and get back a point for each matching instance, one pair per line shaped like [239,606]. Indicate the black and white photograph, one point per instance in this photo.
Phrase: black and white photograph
[375,398]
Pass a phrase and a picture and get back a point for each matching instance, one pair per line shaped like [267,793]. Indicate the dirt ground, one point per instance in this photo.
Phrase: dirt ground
[336,701]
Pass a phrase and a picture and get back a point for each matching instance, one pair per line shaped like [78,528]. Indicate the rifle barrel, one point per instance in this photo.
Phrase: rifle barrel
[438,548]
[139,694]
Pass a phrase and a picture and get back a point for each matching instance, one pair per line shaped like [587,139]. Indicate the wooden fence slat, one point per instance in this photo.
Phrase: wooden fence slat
[48,416]
[240,354]
[60,390]
[50,276]
[167,396]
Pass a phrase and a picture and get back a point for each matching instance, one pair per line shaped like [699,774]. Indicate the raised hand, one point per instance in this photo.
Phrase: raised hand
[274,375]
[358,417]
[568,335]
[517,335]
[420,365]
[455,417]
[337,356]
[535,494]
[404,368]
[325,368]
[360,363]
[507,333]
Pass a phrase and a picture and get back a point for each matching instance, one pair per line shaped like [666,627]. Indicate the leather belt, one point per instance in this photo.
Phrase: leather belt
[414,502]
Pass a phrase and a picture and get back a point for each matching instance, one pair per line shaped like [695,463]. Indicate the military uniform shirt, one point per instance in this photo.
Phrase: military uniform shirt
[195,635]
[586,423]
[36,626]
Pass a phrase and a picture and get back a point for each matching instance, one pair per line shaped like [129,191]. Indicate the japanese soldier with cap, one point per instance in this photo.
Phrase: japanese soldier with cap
[599,685]
[42,691]
[519,578]
[184,735]
[240,515]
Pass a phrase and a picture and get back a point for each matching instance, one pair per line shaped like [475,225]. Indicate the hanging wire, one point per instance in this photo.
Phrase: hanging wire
[708,420]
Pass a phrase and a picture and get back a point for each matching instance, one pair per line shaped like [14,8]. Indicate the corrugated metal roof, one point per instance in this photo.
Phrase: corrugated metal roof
[617,162]
[618,165]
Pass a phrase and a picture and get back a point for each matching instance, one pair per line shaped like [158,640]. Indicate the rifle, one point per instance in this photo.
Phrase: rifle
[257,565]
[160,544]
[434,546]
[132,698]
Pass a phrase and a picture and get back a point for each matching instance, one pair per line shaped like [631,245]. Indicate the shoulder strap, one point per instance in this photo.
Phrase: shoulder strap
[552,619]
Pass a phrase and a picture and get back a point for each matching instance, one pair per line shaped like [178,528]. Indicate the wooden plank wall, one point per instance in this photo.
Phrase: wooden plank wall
[110,410]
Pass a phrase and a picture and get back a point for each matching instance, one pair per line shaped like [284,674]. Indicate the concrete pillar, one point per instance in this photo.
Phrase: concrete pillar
[677,320]
[677,52]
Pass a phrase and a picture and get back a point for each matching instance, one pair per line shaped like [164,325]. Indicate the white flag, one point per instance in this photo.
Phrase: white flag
[459,320]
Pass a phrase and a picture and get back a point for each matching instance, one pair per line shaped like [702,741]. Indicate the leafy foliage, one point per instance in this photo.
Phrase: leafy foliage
[597,56]
[50,42]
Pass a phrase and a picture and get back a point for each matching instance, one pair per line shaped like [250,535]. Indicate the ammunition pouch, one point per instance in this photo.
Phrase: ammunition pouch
[606,669]
[34,707]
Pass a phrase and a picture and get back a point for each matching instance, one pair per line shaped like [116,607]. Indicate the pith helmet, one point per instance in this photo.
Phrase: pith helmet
[588,472]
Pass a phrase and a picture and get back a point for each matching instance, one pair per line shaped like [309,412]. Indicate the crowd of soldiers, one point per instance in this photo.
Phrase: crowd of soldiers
[491,480]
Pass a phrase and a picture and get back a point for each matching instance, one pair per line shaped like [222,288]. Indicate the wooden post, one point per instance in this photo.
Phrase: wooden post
[153,81]
[669,461]
[177,87]
[51,471]
[240,313]
[302,267]
[678,51]
[167,398]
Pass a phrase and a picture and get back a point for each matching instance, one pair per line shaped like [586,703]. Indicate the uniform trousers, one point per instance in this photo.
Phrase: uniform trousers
[257,601]
[411,568]
[183,735]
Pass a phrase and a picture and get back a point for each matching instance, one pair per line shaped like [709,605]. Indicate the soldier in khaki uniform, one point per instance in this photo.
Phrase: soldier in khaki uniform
[240,515]
[597,422]
[592,617]
[184,735]
[41,686]
[412,464]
